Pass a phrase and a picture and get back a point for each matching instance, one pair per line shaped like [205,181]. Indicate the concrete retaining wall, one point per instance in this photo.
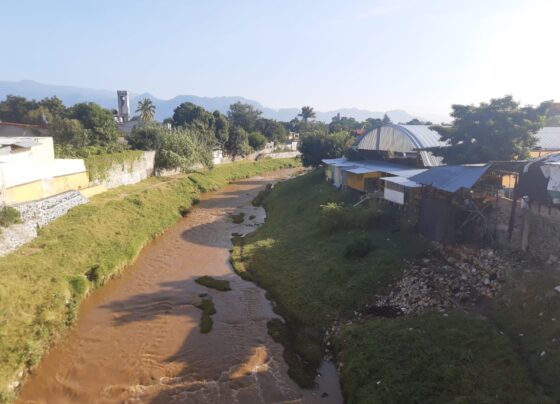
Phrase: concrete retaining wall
[129,173]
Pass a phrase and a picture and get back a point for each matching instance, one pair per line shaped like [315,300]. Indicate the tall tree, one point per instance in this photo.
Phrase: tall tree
[494,131]
[221,128]
[319,145]
[243,115]
[386,120]
[98,120]
[307,113]
[238,142]
[16,109]
[191,114]
[146,109]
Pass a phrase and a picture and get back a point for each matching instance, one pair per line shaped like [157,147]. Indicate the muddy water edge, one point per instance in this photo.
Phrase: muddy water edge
[138,339]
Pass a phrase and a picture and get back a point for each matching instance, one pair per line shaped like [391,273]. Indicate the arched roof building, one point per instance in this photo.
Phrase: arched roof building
[409,140]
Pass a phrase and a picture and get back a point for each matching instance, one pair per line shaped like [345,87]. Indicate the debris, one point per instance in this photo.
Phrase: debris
[453,276]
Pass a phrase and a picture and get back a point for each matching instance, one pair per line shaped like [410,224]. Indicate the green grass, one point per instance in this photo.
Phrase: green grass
[432,359]
[320,260]
[302,263]
[43,283]
[528,312]
[9,216]
[213,283]
[208,310]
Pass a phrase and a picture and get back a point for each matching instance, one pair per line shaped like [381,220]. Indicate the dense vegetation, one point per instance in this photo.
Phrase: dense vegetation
[43,283]
[431,357]
[500,130]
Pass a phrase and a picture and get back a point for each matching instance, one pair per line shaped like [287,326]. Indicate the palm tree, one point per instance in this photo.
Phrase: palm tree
[147,109]
[306,113]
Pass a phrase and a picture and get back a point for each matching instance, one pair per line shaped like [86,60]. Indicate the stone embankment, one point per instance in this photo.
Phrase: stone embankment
[37,214]
[451,277]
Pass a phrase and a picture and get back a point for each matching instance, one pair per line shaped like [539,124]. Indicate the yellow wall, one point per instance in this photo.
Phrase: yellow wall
[23,193]
[539,153]
[356,181]
[66,183]
[33,191]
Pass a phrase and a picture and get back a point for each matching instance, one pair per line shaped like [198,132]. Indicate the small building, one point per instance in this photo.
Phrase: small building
[404,143]
[29,170]
[217,155]
[12,129]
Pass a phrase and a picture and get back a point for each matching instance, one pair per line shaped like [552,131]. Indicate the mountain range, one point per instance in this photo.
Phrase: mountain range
[164,108]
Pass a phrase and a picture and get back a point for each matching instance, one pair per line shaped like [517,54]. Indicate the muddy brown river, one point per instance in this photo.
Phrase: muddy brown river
[137,339]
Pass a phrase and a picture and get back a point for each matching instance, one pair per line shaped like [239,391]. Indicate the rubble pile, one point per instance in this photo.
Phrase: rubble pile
[452,276]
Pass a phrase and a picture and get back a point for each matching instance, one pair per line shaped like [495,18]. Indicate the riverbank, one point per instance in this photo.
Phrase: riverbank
[43,283]
[325,267]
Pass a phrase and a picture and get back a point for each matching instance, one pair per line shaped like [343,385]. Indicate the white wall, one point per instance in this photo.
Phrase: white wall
[393,196]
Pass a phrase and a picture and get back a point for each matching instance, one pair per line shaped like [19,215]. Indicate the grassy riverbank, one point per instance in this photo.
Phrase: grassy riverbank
[43,283]
[300,255]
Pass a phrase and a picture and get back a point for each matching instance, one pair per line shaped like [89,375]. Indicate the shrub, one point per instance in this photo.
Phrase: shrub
[333,215]
[213,283]
[359,247]
[9,216]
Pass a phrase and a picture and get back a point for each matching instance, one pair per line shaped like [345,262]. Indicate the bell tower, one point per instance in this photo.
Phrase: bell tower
[123,105]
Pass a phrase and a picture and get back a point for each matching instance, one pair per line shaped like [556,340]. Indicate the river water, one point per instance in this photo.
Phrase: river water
[137,339]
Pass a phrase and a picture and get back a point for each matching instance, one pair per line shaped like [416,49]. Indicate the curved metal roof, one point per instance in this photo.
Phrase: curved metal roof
[404,139]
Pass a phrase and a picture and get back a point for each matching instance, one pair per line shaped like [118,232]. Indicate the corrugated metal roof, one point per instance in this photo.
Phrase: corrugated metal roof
[404,139]
[451,178]
[405,182]
[335,162]
[548,138]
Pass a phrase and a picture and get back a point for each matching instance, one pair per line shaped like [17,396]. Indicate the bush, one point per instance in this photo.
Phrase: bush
[9,216]
[359,247]
[333,215]
[257,141]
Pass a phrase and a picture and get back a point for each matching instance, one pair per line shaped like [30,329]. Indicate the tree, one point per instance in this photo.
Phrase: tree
[372,123]
[319,145]
[98,120]
[238,142]
[69,133]
[190,114]
[257,140]
[183,148]
[386,120]
[221,128]
[306,113]
[499,130]
[273,130]
[339,123]
[146,109]
[147,137]
[244,116]
[16,109]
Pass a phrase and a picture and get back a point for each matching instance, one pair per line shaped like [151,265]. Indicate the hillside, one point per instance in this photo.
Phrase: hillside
[164,108]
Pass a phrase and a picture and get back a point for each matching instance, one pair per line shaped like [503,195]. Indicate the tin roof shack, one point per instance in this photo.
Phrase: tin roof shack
[456,199]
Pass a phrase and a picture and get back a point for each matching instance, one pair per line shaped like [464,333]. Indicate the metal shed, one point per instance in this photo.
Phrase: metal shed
[405,139]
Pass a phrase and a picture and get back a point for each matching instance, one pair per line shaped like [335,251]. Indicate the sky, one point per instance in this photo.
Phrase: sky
[421,56]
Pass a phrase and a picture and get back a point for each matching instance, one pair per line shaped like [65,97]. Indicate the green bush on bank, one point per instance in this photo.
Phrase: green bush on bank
[43,283]
[98,166]
[9,216]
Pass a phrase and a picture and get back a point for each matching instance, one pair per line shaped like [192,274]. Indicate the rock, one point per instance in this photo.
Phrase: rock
[557,288]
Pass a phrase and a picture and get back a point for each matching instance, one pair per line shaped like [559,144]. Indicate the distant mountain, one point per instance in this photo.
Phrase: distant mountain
[164,108]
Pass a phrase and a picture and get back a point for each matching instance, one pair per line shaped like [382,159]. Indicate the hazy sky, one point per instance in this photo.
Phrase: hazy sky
[417,55]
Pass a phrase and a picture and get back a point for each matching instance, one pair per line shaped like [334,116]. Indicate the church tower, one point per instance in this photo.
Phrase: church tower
[124,105]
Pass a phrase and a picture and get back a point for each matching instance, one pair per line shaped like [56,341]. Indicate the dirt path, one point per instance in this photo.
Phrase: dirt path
[138,339]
